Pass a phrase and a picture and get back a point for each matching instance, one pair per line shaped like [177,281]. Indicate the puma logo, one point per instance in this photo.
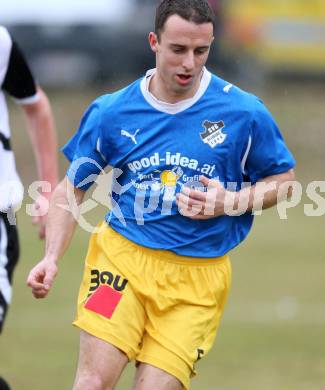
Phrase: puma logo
[132,136]
[227,88]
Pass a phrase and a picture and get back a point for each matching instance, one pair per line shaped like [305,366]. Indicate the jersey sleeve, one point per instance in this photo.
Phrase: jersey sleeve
[268,154]
[15,75]
[5,49]
[83,150]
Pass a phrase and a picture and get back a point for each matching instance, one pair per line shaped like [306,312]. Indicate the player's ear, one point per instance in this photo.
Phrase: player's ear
[153,41]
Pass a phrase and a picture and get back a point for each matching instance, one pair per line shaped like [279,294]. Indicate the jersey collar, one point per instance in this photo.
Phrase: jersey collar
[173,108]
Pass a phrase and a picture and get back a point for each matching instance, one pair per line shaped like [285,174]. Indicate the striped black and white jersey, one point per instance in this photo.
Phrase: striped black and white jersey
[17,81]
[9,254]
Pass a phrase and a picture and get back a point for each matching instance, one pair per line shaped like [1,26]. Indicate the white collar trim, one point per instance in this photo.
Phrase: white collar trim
[173,108]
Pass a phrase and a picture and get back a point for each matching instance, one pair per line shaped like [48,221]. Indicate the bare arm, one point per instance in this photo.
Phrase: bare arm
[60,227]
[217,201]
[265,193]
[41,129]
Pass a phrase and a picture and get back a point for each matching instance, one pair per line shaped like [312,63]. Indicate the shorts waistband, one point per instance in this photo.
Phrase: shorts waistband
[165,255]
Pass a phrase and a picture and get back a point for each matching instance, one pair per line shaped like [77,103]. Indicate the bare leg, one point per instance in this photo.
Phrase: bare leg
[149,377]
[100,364]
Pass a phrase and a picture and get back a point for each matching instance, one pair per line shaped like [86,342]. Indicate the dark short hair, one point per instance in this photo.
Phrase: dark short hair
[197,11]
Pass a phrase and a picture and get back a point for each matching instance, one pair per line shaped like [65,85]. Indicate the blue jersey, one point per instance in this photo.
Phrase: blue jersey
[157,148]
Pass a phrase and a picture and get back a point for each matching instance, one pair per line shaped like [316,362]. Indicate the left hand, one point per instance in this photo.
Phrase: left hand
[201,205]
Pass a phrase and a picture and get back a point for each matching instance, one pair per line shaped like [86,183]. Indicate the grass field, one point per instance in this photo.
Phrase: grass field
[273,332]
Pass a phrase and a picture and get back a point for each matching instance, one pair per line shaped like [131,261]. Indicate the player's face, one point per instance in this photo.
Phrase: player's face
[181,54]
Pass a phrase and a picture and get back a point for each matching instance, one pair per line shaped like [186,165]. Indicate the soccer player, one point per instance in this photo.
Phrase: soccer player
[17,81]
[183,143]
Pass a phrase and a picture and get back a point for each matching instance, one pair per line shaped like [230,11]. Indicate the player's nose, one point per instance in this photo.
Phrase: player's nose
[188,61]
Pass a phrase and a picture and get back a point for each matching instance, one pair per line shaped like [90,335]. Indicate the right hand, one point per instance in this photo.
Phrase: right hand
[41,277]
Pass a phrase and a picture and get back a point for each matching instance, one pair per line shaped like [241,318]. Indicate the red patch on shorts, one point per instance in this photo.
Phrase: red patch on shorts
[104,301]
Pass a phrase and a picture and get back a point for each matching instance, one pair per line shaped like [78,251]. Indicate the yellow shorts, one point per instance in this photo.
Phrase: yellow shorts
[157,307]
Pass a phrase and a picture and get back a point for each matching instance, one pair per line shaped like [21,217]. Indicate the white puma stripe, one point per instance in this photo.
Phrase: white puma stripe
[132,136]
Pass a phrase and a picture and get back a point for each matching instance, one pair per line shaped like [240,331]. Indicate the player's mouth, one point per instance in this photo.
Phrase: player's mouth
[184,79]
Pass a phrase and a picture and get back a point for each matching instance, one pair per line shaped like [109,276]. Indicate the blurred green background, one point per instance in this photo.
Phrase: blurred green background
[273,332]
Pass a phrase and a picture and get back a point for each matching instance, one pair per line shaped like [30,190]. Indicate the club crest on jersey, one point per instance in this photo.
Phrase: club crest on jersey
[213,134]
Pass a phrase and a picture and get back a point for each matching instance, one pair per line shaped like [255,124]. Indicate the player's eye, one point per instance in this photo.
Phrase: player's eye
[178,50]
[201,51]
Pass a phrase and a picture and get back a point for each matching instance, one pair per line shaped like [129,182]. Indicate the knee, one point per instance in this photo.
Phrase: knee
[91,381]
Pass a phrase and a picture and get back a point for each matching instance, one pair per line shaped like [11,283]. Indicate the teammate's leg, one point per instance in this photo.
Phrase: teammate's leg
[9,253]
[149,377]
[100,364]
[4,385]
